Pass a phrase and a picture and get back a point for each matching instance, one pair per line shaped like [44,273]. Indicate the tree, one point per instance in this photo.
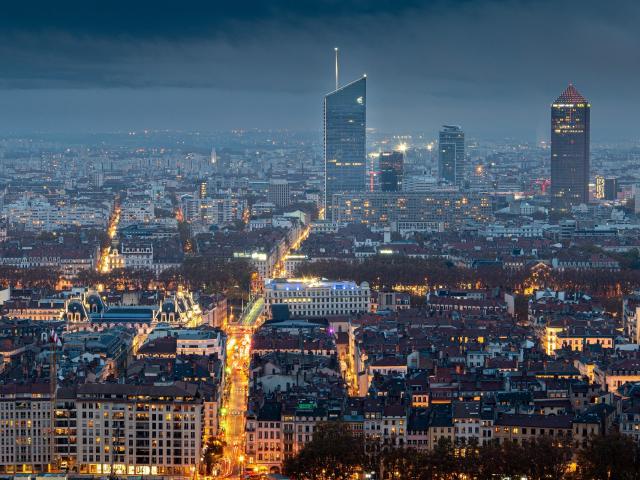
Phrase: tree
[400,464]
[333,454]
[609,457]
[213,452]
[546,458]
[490,460]
[90,276]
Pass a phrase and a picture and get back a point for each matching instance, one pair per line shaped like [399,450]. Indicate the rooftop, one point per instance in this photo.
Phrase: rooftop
[302,283]
[571,95]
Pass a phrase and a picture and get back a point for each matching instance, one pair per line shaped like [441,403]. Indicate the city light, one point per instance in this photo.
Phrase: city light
[239,270]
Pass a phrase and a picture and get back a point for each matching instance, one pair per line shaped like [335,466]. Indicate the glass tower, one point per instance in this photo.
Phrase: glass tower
[344,140]
[569,150]
[391,170]
[451,162]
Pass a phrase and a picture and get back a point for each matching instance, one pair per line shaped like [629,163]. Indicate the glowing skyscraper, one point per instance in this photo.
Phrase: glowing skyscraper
[570,125]
[345,112]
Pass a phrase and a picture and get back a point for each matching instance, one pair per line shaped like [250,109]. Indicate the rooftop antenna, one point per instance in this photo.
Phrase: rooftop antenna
[337,83]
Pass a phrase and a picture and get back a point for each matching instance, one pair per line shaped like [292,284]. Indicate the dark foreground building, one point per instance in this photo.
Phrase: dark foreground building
[391,171]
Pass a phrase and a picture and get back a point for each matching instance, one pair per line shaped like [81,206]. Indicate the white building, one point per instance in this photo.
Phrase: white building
[318,297]
[529,230]
[137,255]
[199,342]
[38,214]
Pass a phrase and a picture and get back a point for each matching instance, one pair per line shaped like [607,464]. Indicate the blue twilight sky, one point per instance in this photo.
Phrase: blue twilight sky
[493,66]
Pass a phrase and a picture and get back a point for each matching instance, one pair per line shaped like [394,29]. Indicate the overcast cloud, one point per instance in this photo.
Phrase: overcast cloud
[493,66]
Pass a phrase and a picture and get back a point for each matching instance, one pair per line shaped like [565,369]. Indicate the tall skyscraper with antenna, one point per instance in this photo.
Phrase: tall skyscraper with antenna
[570,132]
[345,122]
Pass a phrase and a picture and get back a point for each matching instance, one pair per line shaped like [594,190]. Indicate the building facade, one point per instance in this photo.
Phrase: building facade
[391,171]
[439,210]
[451,160]
[25,416]
[318,297]
[138,430]
[278,193]
[344,139]
[570,125]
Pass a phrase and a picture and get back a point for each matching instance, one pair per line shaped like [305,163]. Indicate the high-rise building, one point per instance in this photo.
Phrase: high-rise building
[278,193]
[451,160]
[599,194]
[344,139]
[610,188]
[373,172]
[391,171]
[569,150]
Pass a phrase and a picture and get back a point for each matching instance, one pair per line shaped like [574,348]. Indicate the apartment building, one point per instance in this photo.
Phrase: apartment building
[438,210]
[101,429]
[25,420]
[137,255]
[631,317]
[265,437]
[139,430]
[276,433]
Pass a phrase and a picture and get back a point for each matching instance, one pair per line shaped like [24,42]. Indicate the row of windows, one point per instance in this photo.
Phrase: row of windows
[319,294]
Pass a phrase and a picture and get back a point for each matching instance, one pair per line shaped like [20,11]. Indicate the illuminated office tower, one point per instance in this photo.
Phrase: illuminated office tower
[391,171]
[451,161]
[344,139]
[569,150]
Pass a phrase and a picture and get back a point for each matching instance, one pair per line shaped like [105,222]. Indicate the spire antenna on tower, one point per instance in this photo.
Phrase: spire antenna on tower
[337,82]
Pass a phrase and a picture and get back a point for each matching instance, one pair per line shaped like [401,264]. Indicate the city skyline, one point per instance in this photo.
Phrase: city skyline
[332,239]
[238,72]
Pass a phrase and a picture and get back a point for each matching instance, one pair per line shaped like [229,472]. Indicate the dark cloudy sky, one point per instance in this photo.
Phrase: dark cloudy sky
[493,66]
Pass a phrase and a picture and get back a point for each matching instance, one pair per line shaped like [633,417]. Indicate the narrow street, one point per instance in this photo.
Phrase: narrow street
[112,229]
[234,407]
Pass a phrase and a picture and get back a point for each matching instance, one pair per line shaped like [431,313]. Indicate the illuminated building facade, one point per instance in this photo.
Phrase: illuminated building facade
[344,139]
[25,415]
[439,210]
[391,171]
[318,298]
[138,430]
[451,160]
[570,125]
[600,182]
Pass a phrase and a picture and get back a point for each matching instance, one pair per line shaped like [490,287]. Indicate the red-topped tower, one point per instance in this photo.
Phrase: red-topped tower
[570,127]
